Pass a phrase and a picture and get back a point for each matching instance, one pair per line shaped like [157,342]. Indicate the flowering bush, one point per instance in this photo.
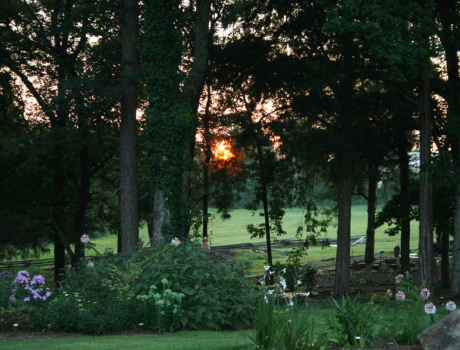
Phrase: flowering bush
[25,288]
[400,295]
[451,306]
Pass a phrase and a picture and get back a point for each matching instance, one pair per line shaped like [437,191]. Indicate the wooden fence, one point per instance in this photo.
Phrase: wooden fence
[281,243]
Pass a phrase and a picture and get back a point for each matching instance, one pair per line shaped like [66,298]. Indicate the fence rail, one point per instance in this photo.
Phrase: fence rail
[281,243]
[286,243]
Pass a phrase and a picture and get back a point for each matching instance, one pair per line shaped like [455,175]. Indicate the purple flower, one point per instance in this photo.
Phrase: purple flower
[27,299]
[12,298]
[38,279]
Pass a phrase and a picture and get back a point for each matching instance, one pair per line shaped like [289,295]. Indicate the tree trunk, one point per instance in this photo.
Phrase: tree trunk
[160,214]
[371,205]
[405,199]
[342,264]
[426,249]
[264,202]
[59,260]
[83,199]
[445,269]
[129,215]
[193,88]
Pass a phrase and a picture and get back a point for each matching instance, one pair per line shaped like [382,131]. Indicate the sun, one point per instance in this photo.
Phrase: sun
[222,151]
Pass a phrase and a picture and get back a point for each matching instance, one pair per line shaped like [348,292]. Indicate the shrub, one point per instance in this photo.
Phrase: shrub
[216,293]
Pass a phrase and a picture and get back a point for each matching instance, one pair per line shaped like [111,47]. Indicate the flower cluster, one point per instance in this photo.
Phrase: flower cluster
[175,242]
[84,239]
[451,306]
[430,309]
[425,293]
[33,287]
[400,295]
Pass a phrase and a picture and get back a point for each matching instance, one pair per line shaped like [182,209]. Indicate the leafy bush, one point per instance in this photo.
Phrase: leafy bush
[164,310]
[216,293]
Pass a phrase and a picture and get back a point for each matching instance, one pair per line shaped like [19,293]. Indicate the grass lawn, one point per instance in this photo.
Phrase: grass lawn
[233,230]
[203,340]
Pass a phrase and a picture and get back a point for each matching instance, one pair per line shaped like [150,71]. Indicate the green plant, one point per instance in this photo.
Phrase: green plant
[164,310]
[14,317]
[264,325]
[294,273]
[354,324]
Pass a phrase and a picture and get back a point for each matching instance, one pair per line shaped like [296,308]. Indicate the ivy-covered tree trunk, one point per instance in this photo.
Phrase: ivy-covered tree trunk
[172,121]
[405,199]
[129,216]
[426,248]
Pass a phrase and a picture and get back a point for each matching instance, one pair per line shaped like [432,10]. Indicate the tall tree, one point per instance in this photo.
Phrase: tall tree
[174,99]
[129,231]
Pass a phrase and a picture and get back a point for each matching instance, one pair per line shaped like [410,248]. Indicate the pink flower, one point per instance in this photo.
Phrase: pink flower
[400,295]
[84,239]
[175,242]
[430,309]
[90,263]
[425,293]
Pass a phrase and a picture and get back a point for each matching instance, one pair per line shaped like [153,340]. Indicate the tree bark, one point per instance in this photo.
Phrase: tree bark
[160,214]
[193,88]
[405,199]
[264,202]
[371,205]
[59,260]
[129,216]
[426,248]
[342,264]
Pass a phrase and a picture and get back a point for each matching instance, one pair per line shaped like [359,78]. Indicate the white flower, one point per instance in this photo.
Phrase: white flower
[270,292]
[430,309]
[175,242]
[283,284]
[84,239]
[291,304]
[266,299]
[451,306]
[284,270]
[90,263]
[289,321]
[307,294]
[262,283]
[299,282]
[267,268]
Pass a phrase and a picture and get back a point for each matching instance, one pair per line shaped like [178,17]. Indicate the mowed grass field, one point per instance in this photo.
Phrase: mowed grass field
[233,230]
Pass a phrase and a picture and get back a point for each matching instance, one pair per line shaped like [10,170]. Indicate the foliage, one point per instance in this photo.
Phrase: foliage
[354,324]
[282,323]
[216,293]
[164,310]
[296,273]
[14,318]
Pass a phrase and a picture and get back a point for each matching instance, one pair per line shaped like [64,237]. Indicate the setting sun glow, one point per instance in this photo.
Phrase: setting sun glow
[222,151]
